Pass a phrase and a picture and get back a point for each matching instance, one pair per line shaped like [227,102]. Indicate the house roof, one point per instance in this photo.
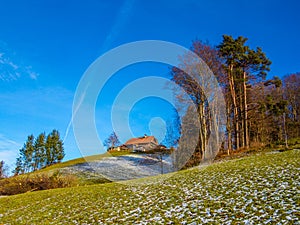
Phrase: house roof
[141,140]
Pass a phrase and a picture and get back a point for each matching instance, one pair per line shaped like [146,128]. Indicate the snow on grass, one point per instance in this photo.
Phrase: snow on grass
[122,167]
[254,190]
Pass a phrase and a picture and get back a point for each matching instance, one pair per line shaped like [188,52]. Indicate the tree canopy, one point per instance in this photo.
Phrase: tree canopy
[39,152]
[259,112]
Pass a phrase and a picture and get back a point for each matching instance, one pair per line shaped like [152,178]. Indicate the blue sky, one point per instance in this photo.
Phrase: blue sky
[46,46]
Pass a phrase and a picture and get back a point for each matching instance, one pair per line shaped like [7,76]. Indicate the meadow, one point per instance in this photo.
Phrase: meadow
[259,189]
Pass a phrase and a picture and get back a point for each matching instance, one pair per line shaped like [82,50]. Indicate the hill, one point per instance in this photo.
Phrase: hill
[257,189]
[114,166]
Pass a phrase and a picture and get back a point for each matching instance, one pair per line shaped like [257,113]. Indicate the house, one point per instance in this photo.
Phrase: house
[142,144]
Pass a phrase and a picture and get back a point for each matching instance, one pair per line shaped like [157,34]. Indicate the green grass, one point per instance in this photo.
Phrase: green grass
[76,178]
[83,178]
[257,189]
[83,160]
[294,142]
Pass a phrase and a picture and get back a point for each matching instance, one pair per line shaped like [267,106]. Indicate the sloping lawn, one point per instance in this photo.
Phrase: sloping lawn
[262,189]
[83,160]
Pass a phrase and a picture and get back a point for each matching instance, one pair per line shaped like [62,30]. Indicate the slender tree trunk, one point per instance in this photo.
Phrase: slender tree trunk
[235,110]
[246,135]
[241,122]
[228,127]
[236,124]
[284,130]
[203,129]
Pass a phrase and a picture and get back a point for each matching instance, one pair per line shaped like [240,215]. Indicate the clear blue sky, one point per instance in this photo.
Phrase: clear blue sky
[45,47]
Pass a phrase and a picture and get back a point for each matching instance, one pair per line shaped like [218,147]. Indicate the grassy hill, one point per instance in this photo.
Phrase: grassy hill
[257,189]
[62,170]
[83,160]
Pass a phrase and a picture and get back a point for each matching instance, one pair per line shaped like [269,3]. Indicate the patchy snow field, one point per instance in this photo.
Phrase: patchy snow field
[123,167]
[261,189]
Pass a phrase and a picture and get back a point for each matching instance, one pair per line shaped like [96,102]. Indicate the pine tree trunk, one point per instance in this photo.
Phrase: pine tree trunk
[228,127]
[235,110]
[241,122]
[246,135]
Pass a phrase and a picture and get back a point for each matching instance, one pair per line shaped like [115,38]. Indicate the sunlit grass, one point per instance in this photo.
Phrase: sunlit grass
[257,189]
[84,160]
[80,178]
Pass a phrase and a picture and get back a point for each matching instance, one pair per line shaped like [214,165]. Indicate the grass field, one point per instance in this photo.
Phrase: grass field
[83,160]
[260,189]
[81,178]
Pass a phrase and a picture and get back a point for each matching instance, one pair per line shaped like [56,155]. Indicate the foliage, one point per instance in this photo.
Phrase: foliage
[41,181]
[242,66]
[259,112]
[274,112]
[291,93]
[40,152]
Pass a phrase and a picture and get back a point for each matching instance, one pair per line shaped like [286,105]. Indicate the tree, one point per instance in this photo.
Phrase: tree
[48,148]
[291,91]
[37,153]
[242,66]
[39,156]
[54,148]
[19,167]
[184,77]
[173,130]
[257,111]
[267,115]
[27,153]
[2,169]
[112,141]
[186,155]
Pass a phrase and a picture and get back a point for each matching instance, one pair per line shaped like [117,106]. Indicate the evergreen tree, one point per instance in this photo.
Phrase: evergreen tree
[54,148]
[48,148]
[19,166]
[39,157]
[37,153]
[242,65]
[58,149]
[27,154]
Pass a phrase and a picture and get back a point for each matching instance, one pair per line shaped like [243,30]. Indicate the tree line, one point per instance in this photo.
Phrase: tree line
[39,152]
[259,112]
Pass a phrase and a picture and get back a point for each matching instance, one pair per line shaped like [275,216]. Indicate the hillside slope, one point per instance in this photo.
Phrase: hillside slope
[115,166]
[118,168]
[256,189]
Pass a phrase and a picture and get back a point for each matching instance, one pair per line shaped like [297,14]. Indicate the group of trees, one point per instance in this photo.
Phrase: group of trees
[39,152]
[258,111]
[243,67]
[274,110]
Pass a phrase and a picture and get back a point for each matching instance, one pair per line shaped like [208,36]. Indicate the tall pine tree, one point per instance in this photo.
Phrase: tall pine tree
[40,152]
